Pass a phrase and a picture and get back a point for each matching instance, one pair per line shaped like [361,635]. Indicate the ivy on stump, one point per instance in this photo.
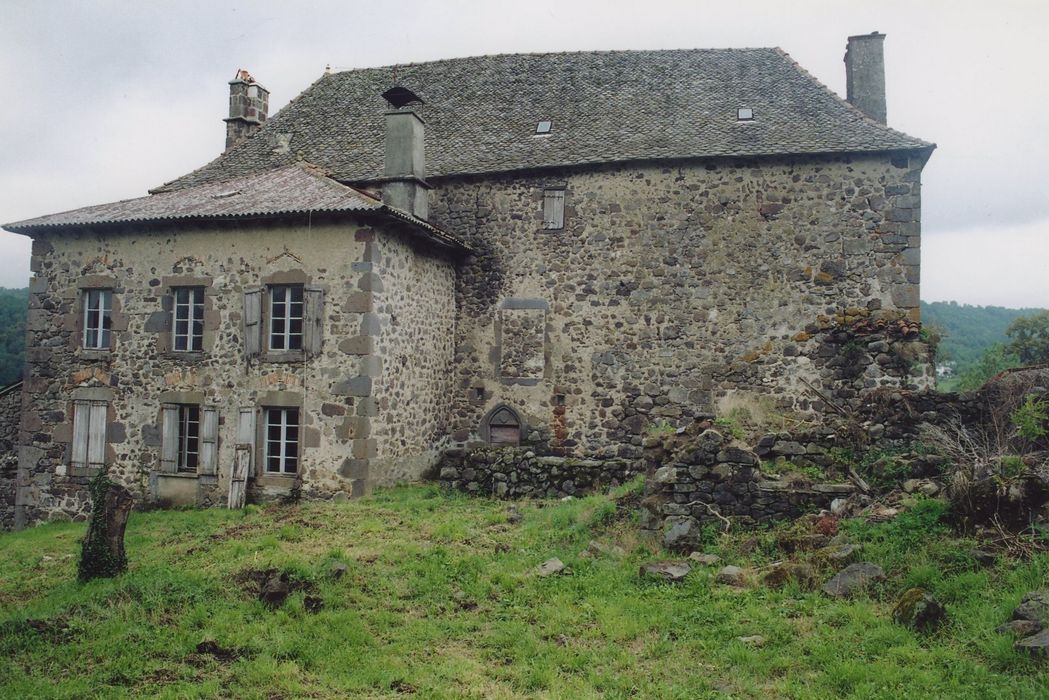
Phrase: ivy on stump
[102,551]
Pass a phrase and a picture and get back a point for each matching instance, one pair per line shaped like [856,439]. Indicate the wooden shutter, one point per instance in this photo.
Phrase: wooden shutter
[554,209]
[313,323]
[246,434]
[252,322]
[169,438]
[81,424]
[209,438]
[96,439]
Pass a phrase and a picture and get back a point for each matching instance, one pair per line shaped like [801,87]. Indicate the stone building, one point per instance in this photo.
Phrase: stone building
[557,250]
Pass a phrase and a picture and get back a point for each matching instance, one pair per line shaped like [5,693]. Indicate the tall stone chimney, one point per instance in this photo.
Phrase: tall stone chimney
[404,184]
[249,104]
[865,74]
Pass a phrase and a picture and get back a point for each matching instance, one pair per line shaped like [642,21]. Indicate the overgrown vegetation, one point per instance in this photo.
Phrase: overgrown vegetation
[439,600]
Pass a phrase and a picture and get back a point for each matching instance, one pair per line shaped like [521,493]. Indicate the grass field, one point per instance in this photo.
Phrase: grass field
[440,601]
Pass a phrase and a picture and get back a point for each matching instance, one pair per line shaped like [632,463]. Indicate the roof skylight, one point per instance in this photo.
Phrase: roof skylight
[544,127]
[744,114]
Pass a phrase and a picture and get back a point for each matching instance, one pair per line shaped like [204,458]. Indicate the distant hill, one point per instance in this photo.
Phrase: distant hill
[968,331]
[13,304]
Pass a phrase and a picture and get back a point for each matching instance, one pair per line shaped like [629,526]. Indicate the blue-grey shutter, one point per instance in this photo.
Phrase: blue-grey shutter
[246,435]
[96,439]
[313,331]
[252,322]
[81,427]
[169,438]
[209,437]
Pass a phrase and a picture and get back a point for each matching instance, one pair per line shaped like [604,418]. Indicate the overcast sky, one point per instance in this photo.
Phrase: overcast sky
[107,99]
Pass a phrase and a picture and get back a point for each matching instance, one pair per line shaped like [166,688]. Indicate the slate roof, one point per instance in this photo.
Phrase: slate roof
[294,189]
[481,114]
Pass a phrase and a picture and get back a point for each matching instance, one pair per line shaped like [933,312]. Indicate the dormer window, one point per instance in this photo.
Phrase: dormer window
[544,127]
[744,114]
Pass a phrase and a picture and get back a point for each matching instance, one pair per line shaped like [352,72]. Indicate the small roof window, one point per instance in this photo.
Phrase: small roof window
[544,127]
[744,114]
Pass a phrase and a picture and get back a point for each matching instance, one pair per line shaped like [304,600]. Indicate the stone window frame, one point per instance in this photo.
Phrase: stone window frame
[287,317]
[165,319]
[82,404]
[208,435]
[517,304]
[486,423]
[314,305]
[117,317]
[194,307]
[97,301]
[277,400]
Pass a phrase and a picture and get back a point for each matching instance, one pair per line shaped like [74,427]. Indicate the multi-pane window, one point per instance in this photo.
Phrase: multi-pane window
[282,440]
[188,319]
[553,209]
[188,437]
[286,317]
[98,321]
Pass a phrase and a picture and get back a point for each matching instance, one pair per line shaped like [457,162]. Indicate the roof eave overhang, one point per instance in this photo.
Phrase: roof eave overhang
[433,234]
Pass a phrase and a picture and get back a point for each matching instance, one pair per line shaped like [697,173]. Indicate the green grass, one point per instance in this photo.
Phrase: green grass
[439,600]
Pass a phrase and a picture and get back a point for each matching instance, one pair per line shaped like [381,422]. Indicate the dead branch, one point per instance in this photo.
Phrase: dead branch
[713,511]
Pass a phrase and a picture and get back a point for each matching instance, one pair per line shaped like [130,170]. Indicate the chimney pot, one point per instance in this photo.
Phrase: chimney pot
[865,74]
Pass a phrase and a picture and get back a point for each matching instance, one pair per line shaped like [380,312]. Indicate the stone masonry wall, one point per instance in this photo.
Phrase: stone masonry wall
[696,479]
[10,414]
[671,286]
[333,389]
[416,308]
[519,473]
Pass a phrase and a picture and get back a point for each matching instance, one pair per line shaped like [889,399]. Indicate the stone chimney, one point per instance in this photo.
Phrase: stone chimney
[404,185]
[249,103]
[865,74]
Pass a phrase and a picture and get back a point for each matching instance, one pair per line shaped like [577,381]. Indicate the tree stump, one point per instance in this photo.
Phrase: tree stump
[102,552]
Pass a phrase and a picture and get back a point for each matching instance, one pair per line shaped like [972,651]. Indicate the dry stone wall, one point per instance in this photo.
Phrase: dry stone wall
[672,286]
[705,478]
[517,473]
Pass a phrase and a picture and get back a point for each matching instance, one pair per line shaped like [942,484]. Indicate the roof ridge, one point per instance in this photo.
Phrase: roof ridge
[543,54]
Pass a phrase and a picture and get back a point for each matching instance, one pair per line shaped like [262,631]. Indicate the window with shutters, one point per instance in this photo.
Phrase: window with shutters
[189,438]
[89,434]
[553,209]
[283,323]
[286,317]
[282,440]
[98,318]
[187,330]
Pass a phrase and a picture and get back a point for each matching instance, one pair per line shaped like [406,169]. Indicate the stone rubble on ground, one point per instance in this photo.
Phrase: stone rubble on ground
[852,579]
[550,567]
[731,576]
[666,570]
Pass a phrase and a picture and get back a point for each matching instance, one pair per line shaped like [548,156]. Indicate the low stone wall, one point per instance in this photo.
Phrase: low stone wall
[696,479]
[516,473]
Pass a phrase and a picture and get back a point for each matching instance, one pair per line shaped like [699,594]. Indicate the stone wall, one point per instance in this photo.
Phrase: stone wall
[10,414]
[672,286]
[705,478]
[333,387]
[519,473]
[416,309]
